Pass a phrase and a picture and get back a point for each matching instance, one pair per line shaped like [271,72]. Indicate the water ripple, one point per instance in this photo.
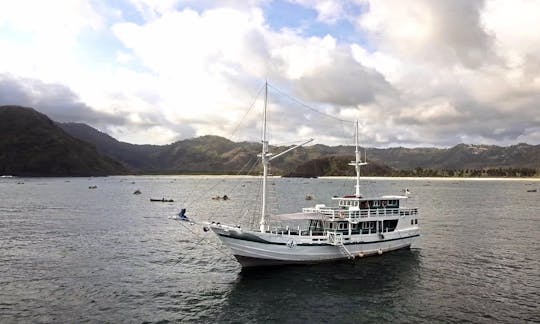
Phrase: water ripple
[68,254]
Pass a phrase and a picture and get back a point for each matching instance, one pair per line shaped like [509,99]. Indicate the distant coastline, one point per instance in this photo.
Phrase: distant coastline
[240,176]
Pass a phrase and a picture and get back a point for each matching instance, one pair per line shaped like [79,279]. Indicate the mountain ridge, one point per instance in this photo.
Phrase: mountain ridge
[215,154]
[212,154]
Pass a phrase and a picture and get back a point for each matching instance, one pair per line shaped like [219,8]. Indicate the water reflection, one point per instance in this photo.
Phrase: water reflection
[310,293]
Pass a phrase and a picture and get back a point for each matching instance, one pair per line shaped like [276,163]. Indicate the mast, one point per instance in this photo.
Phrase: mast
[358,161]
[264,158]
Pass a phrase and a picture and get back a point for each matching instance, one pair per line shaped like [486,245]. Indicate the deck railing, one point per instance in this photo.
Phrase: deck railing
[337,213]
[335,238]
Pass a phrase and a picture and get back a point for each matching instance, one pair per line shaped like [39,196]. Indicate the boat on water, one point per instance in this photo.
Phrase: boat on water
[161,200]
[356,226]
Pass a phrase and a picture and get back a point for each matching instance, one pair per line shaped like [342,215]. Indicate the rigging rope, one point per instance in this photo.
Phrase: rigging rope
[307,106]
[203,238]
[247,112]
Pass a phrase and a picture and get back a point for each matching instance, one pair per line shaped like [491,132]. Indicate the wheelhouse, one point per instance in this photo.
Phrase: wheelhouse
[353,202]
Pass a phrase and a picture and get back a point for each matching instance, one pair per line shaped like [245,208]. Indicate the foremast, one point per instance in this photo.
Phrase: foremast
[266,157]
[265,160]
[357,163]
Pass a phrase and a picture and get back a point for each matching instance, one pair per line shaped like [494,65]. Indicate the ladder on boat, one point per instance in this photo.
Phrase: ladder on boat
[336,239]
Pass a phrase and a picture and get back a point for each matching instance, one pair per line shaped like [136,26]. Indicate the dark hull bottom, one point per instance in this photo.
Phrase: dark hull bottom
[249,262]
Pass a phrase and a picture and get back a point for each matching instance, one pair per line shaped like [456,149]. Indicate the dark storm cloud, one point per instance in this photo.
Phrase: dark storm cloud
[505,122]
[54,100]
[344,83]
[61,104]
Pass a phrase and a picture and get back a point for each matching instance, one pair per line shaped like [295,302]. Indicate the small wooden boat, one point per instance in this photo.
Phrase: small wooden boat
[161,200]
[531,190]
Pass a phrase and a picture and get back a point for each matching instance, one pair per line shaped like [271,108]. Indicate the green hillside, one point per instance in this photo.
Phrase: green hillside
[32,145]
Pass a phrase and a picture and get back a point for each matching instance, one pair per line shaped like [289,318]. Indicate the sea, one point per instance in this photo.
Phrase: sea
[76,250]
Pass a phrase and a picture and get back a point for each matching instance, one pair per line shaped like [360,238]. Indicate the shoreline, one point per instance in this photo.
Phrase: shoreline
[211,176]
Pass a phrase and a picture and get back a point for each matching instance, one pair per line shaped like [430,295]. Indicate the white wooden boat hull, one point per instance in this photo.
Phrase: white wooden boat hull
[265,249]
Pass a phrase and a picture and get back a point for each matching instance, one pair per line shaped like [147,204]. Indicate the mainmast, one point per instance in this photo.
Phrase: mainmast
[358,161]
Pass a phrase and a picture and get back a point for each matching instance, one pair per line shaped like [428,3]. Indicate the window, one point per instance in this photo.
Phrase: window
[416,221]
[412,221]
[342,225]
[389,225]
[375,203]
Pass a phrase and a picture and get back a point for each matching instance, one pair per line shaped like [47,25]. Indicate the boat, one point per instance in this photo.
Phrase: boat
[161,200]
[531,190]
[357,226]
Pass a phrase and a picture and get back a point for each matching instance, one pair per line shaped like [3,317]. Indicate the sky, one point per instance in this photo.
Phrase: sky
[430,73]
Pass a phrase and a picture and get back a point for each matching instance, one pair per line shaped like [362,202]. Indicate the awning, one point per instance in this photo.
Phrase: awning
[298,216]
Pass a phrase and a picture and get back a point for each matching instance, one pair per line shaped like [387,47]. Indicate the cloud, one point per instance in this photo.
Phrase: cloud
[55,100]
[61,104]
[418,73]
[448,32]
[462,69]
[56,22]
[212,68]
[345,83]
[328,11]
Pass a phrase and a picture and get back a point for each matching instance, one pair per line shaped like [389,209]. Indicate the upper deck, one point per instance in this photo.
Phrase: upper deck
[353,208]
[336,213]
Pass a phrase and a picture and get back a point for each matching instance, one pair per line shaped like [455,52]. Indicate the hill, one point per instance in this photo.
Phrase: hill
[214,154]
[32,145]
[137,158]
[337,166]
[461,156]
